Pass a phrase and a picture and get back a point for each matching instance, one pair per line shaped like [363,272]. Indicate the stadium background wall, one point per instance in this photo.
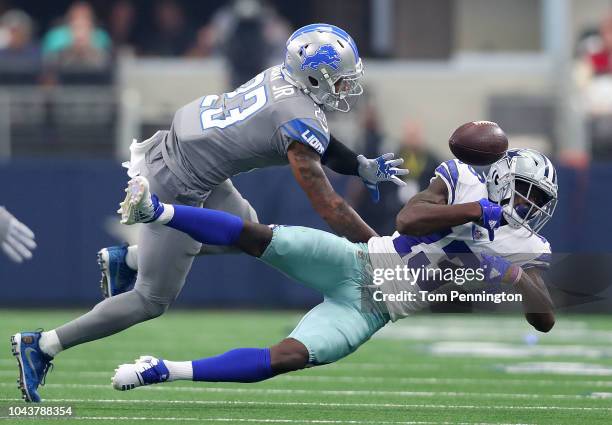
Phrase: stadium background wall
[67,204]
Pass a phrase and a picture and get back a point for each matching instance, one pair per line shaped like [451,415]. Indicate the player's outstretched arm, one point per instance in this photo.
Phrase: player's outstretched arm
[428,212]
[537,304]
[343,160]
[306,166]
[340,158]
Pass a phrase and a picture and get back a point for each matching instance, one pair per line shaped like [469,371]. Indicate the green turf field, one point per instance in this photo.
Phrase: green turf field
[425,370]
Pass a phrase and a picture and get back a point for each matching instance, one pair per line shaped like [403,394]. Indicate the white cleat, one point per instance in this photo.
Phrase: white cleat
[138,205]
[145,370]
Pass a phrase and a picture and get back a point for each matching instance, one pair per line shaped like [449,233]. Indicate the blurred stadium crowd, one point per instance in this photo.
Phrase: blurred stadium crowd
[82,40]
[80,45]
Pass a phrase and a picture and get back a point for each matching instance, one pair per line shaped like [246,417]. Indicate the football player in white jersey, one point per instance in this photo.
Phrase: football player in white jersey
[493,219]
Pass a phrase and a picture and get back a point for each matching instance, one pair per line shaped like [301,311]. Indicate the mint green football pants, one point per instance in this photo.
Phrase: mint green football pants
[337,268]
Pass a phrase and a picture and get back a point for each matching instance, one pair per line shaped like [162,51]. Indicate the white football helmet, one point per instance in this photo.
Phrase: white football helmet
[524,183]
[322,60]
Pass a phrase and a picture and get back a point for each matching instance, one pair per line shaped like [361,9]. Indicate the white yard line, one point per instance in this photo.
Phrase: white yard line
[443,381]
[601,395]
[437,331]
[382,380]
[375,379]
[356,393]
[323,404]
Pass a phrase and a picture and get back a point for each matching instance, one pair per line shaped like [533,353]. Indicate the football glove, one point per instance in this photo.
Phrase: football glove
[491,216]
[383,168]
[16,239]
[495,268]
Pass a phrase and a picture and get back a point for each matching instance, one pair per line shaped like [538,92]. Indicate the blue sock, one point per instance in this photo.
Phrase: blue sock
[239,365]
[207,226]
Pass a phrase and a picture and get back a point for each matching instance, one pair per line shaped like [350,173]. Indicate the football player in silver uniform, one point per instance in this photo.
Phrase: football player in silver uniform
[276,118]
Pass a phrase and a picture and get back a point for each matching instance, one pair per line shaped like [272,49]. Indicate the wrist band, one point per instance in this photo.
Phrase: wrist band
[519,274]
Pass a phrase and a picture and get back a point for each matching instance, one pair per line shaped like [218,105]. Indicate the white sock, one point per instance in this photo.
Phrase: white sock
[166,215]
[179,370]
[131,259]
[50,343]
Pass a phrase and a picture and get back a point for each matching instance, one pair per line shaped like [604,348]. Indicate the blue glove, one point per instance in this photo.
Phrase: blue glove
[495,268]
[491,216]
[383,168]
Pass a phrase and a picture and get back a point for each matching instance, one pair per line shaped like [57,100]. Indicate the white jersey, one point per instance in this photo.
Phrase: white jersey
[456,245]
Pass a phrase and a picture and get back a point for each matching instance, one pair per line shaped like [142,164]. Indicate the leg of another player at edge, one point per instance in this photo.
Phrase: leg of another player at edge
[207,226]
[243,364]
[214,227]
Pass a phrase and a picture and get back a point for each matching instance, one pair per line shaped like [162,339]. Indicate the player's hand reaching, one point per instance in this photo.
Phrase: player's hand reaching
[499,270]
[16,239]
[491,216]
[384,168]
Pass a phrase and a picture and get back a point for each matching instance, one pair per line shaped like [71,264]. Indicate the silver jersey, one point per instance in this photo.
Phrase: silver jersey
[218,136]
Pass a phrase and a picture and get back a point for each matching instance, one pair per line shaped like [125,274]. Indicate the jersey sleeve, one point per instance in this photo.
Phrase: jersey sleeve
[298,118]
[307,131]
[464,184]
[540,255]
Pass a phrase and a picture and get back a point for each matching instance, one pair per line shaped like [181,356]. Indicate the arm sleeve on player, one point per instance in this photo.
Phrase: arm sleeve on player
[307,131]
[340,158]
[448,171]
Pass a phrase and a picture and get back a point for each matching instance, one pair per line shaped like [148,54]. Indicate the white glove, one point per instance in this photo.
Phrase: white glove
[16,239]
[383,168]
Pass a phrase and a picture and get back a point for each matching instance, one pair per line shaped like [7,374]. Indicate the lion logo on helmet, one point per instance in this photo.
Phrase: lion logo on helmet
[325,55]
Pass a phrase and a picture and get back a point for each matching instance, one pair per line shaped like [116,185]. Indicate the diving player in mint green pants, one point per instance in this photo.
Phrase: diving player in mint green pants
[337,268]
[327,263]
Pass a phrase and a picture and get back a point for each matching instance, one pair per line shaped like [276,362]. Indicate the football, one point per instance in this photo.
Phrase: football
[478,143]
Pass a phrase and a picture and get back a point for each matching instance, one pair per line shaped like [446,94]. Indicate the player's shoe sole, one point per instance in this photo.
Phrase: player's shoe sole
[131,209]
[116,275]
[21,385]
[103,264]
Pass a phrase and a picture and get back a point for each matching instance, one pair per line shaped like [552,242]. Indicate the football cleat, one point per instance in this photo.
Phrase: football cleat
[145,370]
[139,206]
[33,364]
[117,276]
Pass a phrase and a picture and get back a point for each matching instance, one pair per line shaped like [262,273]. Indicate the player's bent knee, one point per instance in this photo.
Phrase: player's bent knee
[288,355]
[154,310]
[149,308]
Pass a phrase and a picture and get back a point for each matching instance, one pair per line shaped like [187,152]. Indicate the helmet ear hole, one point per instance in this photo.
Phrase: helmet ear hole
[313,81]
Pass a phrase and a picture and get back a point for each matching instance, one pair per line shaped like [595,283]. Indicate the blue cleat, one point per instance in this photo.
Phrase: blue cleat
[33,364]
[117,277]
[146,370]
